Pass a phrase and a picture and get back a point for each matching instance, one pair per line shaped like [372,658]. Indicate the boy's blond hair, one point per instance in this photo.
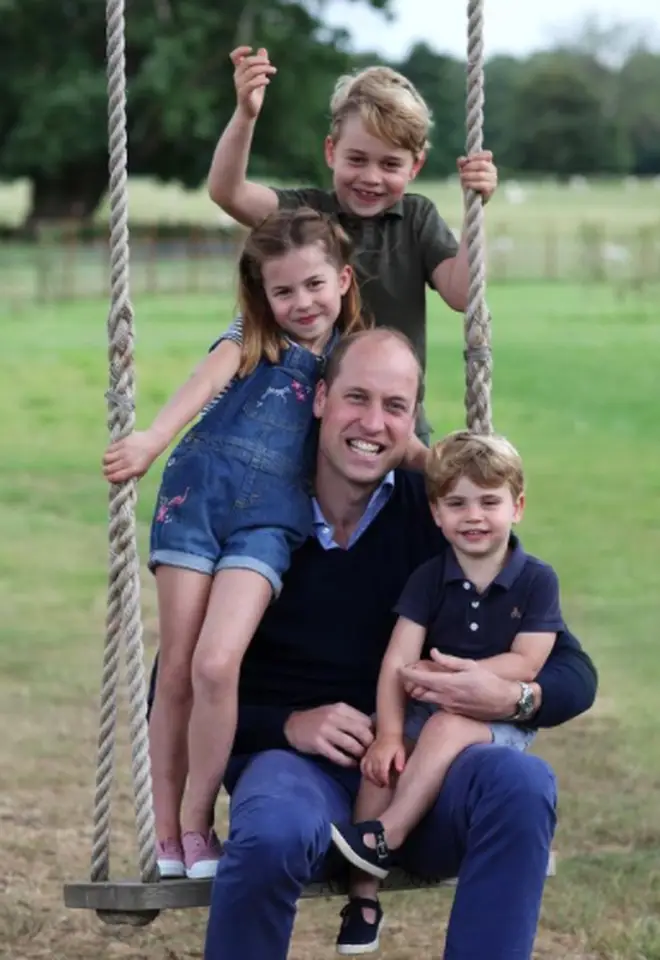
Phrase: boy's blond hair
[388,104]
[488,461]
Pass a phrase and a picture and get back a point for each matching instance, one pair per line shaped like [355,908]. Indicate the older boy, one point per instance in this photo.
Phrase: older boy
[484,599]
[377,145]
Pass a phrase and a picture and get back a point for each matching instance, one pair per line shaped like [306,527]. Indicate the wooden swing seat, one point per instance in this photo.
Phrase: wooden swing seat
[138,904]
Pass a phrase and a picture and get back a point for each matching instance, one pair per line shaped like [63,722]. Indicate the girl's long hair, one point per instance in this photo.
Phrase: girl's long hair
[280,233]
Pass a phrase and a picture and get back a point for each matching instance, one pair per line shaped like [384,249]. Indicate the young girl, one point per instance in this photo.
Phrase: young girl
[233,504]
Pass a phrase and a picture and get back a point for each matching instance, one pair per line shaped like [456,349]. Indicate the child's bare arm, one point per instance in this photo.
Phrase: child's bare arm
[228,185]
[133,455]
[405,647]
[451,278]
[208,380]
[529,652]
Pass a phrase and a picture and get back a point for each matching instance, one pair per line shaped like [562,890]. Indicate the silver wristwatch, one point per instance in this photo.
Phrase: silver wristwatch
[525,705]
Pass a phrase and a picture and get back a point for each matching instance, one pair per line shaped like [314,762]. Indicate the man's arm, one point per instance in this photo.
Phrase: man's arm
[568,683]
[565,687]
[228,185]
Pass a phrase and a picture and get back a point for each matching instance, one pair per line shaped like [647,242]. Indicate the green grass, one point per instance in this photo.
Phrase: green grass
[575,387]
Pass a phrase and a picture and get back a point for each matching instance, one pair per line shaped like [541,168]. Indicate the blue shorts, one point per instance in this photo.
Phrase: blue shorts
[503,734]
[217,510]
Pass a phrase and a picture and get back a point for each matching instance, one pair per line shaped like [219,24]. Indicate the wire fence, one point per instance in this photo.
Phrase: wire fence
[67,265]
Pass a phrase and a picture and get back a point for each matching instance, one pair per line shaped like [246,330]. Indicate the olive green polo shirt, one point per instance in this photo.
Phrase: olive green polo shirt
[394,256]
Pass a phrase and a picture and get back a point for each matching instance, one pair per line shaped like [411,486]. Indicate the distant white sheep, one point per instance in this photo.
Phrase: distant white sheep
[514,193]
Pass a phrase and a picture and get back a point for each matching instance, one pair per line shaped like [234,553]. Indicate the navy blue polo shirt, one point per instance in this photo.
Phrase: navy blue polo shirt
[523,598]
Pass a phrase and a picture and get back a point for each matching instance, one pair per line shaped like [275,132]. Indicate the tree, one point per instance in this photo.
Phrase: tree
[503,76]
[441,81]
[637,96]
[562,126]
[53,110]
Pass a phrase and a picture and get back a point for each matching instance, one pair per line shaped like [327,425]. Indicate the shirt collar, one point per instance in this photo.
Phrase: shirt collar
[507,575]
[384,489]
[347,218]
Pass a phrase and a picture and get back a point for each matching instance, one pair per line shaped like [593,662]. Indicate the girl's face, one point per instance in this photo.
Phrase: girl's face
[304,290]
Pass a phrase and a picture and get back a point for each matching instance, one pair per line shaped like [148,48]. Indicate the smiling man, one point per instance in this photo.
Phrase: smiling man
[308,688]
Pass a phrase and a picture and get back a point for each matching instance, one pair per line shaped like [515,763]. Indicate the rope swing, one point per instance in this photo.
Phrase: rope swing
[138,903]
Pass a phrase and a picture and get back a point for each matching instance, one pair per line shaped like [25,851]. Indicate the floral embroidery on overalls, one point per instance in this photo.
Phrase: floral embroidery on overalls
[300,391]
[165,505]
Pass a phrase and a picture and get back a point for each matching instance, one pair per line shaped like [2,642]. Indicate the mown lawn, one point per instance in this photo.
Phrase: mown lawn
[576,388]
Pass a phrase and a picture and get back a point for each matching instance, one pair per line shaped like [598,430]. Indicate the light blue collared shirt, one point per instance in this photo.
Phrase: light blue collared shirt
[324,532]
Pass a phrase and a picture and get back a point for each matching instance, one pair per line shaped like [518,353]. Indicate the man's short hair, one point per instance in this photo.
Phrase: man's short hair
[488,461]
[335,360]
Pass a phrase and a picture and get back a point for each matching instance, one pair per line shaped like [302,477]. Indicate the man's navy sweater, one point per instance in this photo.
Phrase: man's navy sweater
[323,641]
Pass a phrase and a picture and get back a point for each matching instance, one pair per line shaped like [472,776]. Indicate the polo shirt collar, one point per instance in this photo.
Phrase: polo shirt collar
[507,575]
[514,565]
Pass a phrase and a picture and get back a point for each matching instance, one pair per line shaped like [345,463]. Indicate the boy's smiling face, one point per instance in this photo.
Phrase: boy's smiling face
[369,175]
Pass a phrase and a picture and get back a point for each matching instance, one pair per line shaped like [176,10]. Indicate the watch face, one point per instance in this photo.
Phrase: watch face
[526,703]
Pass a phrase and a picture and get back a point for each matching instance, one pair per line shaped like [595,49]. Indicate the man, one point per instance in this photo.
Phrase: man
[308,688]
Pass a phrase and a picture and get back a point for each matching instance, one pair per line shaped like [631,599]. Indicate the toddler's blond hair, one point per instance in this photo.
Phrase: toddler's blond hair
[488,461]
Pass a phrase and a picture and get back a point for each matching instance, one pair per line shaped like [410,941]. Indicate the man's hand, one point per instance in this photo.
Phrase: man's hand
[461,686]
[252,73]
[338,732]
[384,760]
[479,173]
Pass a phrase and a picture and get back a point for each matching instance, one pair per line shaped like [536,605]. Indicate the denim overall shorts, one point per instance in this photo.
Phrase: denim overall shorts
[235,492]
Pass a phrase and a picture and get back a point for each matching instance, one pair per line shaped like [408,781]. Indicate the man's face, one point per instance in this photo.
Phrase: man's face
[368,414]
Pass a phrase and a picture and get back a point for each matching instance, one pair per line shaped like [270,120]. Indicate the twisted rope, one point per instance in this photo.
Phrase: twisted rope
[478,359]
[123,621]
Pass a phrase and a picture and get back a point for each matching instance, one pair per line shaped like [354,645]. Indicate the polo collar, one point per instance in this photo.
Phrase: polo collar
[347,218]
[507,575]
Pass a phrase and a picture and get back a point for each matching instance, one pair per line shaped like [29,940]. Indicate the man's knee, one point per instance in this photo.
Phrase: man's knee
[522,787]
[278,826]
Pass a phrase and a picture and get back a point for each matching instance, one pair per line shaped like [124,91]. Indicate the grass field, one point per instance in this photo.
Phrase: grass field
[542,230]
[576,387]
[617,204]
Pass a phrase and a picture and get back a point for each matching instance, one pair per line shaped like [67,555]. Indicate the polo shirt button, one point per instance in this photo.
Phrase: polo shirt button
[474,626]
[466,585]
[475,604]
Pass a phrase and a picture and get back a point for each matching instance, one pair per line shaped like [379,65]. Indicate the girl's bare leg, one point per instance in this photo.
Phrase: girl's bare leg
[182,600]
[236,605]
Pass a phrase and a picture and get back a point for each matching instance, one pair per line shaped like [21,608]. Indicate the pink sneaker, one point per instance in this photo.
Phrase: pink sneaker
[170,859]
[201,854]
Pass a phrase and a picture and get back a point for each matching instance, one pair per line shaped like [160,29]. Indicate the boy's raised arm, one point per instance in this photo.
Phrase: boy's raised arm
[228,186]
